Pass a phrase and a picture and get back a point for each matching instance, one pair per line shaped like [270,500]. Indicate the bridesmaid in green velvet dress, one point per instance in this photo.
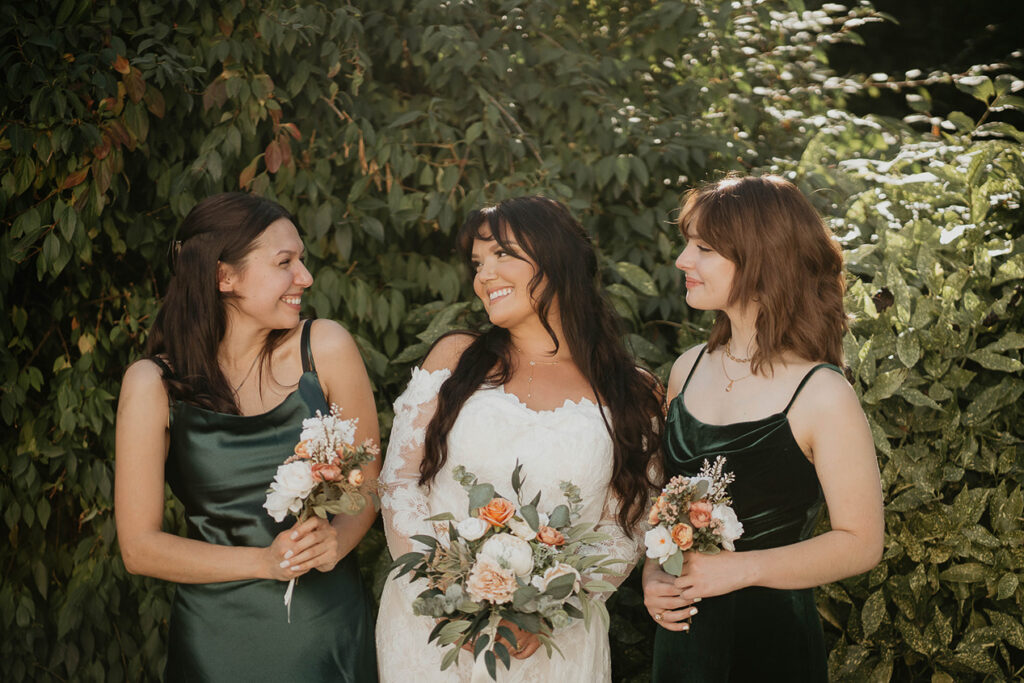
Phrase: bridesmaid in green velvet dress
[766,392]
[213,411]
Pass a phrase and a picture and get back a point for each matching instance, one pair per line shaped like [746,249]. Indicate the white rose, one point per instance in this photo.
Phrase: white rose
[521,529]
[294,480]
[659,544]
[729,528]
[472,528]
[552,573]
[509,551]
[278,505]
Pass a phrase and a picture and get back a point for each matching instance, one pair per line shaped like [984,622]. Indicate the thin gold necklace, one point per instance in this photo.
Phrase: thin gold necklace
[533,364]
[247,373]
[732,380]
[728,352]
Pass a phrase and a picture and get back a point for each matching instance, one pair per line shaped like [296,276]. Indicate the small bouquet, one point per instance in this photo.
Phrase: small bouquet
[693,513]
[506,561]
[323,476]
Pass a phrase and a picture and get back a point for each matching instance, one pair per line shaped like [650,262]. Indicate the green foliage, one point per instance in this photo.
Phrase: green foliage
[380,125]
[935,241]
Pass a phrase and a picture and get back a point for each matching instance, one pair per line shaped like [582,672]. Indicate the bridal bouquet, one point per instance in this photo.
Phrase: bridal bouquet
[693,513]
[323,476]
[506,562]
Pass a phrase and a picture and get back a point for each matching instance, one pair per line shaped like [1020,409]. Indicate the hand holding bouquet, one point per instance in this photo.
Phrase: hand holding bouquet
[693,513]
[506,562]
[324,474]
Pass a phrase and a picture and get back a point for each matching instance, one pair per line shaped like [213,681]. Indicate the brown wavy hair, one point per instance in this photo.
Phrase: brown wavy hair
[567,265]
[787,261]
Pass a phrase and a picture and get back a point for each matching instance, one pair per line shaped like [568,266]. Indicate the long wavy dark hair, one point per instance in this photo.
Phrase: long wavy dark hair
[191,322]
[567,273]
[786,260]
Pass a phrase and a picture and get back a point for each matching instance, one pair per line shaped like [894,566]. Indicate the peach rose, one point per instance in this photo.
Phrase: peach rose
[700,514]
[355,477]
[682,536]
[652,516]
[497,512]
[324,472]
[301,451]
[489,581]
[549,536]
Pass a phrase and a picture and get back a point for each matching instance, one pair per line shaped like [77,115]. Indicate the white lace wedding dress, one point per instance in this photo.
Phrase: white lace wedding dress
[494,429]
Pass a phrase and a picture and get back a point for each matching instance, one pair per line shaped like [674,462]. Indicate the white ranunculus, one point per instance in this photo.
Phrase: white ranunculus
[472,528]
[509,551]
[294,479]
[729,528]
[521,529]
[659,544]
[552,573]
[278,505]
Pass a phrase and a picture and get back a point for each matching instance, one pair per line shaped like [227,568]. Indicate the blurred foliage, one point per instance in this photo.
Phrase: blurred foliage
[380,125]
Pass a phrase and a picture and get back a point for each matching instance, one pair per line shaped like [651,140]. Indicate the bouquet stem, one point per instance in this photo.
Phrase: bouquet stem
[288,598]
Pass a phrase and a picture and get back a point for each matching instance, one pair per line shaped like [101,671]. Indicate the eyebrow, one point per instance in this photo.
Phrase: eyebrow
[290,251]
[508,243]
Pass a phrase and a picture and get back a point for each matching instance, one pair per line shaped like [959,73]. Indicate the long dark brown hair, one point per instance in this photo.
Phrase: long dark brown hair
[567,273]
[191,322]
[786,261]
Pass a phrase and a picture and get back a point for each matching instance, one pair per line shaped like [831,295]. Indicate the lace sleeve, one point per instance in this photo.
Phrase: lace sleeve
[625,551]
[404,504]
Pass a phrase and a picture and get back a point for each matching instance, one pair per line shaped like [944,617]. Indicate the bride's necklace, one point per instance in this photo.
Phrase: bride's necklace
[533,364]
[732,380]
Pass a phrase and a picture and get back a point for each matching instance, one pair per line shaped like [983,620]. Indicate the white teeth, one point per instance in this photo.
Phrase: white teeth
[499,292]
[293,300]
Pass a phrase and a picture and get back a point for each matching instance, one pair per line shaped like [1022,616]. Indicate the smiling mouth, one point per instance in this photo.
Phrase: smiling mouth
[690,282]
[295,300]
[498,293]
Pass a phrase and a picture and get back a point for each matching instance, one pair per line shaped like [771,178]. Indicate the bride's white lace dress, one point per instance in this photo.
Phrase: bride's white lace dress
[494,429]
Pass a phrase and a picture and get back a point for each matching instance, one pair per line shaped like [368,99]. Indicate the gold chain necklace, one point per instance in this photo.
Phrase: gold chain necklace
[731,379]
[247,373]
[728,352]
[533,364]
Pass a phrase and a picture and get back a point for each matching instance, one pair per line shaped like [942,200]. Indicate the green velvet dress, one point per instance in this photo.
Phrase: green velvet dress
[755,633]
[220,466]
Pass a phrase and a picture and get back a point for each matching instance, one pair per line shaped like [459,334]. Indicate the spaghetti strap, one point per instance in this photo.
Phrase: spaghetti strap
[307,349]
[692,368]
[165,369]
[804,381]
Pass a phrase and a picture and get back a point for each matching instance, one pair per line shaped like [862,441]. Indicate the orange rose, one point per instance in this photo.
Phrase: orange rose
[325,472]
[300,450]
[497,512]
[700,514]
[682,535]
[549,536]
[652,516]
[355,477]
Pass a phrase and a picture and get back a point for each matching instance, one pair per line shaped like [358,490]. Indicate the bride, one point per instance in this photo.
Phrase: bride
[551,386]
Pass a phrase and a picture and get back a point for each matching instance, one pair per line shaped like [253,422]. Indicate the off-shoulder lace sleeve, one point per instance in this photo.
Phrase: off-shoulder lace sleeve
[403,503]
[620,546]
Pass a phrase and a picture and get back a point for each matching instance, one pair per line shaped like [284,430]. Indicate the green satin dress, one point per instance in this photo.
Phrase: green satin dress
[220,466]
[755,633]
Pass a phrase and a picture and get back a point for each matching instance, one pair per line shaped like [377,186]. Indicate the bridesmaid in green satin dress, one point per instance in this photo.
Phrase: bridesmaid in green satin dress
[213,411]
[767,393]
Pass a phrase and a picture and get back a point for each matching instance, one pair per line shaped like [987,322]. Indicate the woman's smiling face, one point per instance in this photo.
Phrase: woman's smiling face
[709,275]
[502,280]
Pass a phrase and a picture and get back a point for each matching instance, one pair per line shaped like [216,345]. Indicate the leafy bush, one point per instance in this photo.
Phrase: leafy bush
[380,125]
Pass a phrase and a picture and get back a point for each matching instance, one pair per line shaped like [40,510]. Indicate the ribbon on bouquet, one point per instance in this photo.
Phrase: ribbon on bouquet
[288,597]
[480,674]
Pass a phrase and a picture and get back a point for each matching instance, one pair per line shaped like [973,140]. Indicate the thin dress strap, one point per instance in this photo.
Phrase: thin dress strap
[692,368]
[307,349]
[165,369]
[804,381]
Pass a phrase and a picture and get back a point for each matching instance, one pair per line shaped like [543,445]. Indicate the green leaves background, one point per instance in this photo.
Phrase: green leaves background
[380,125]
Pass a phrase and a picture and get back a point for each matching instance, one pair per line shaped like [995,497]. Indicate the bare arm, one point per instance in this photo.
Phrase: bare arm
[829,423]
[141,450]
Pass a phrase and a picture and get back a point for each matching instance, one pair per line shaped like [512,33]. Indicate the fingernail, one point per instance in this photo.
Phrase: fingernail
[693,611]
[296,567]
[686,627]
[284,563]
[696,599]
[288,554]
[295,534]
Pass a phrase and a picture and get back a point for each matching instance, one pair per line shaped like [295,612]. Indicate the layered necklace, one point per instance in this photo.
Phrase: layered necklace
[533,364]
[732,380]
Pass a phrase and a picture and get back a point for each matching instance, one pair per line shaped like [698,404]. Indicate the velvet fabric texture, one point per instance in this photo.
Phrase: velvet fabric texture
[754,633]
[220,467]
